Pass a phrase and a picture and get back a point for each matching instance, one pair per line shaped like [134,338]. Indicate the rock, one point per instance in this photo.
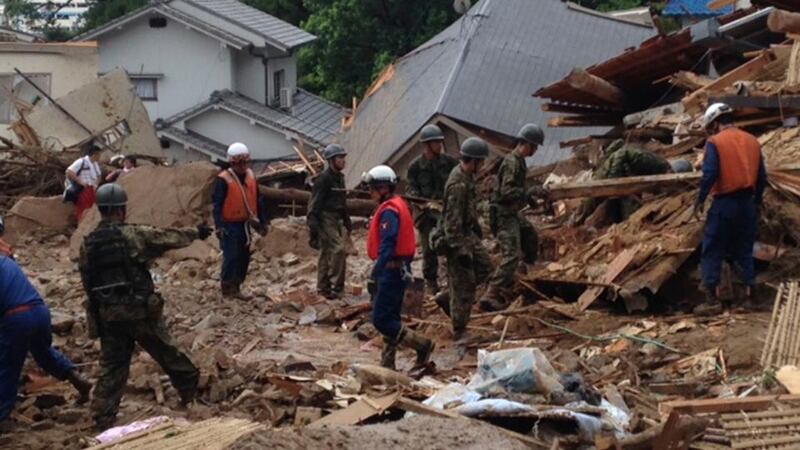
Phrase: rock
[61,323]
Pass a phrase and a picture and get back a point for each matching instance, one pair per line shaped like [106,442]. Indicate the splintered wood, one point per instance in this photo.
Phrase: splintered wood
[217,433]
[764,429]
[782,346]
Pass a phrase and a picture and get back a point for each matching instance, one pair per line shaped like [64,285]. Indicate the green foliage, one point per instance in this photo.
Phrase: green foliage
[292,11]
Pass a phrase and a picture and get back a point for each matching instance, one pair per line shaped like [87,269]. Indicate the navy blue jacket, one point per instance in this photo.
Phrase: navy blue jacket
[15,289]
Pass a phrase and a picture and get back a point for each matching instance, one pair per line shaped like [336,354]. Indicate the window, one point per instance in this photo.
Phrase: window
[146,88]
[278,83]
[158,22]
[16,94]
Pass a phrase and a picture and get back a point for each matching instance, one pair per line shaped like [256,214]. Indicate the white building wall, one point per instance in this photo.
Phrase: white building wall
[289,66]
[193,65]
[250,75]
[226,128]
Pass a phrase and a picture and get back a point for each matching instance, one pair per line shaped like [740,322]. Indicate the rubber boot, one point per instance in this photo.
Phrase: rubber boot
[492,300]
[460,338]
[80,383]
[388,353]
[712,306]
[237,293]
[442,299]
[422,345]
[187,396]
[103,423]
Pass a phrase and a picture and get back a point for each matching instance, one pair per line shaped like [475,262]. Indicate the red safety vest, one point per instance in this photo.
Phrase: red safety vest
[238,206]
[406,241]
[739,157]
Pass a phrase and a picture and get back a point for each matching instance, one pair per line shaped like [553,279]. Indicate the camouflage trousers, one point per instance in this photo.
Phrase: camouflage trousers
[466,270]
[517,237]
[430,259]
[117,342]
[332,263]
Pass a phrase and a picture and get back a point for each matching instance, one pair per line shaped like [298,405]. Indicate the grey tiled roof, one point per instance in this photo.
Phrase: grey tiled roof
[275,31]
[269,27]
[315,120]
[482,71]
[194,140]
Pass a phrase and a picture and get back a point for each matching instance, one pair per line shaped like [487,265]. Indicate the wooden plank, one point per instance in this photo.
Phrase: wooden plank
[585,121]
[616,267]
[407,404]
[726,405]
[359,411]
[581,80]
[692,103]
[619,187]
[780,21]
[761,102]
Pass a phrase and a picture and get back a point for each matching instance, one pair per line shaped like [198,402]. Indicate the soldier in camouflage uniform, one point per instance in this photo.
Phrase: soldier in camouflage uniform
[329,224]
[513,231]
[123,308]
[468,263]
[622,161]
[427,176]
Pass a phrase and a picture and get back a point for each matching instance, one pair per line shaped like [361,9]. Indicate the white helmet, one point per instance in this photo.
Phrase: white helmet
[380,175]
[238,151]
[714,112]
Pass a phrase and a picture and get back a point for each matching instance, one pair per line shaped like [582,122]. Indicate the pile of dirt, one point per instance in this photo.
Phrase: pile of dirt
[161,196]
[32,214]
[413,433]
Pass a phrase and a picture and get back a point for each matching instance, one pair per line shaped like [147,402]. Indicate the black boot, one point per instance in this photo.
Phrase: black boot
[422,345]
[83,386]
[442,299]
[712,305]
[388,353]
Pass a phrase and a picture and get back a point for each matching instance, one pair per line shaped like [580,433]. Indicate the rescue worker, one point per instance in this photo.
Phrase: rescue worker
[5,247]
[391,244]
[84,174]
[734,174]
[25,327]
[125,164]
[238,207]
[329,224]
[123,308]
[468,263]
[426,178]
[514,233]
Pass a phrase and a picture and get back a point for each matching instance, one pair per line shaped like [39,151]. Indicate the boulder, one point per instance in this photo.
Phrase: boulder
[30,214]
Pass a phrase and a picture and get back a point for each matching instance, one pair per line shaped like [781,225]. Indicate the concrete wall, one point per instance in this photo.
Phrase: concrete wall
[226,128]
[68,71]
[250,76]
[193,65]
[289,66]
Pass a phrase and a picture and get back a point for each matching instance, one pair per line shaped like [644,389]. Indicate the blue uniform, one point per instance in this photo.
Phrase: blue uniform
[731,224]
[236,241]
[388,302]
[22,331]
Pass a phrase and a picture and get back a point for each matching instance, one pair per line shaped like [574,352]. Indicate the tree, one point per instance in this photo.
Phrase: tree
[358,38]
[292,11]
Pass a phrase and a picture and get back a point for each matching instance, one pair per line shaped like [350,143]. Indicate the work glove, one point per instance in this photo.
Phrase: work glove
[313,239]
[203,231]
[699,208]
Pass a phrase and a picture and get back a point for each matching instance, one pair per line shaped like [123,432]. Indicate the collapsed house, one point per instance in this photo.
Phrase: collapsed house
[470,79]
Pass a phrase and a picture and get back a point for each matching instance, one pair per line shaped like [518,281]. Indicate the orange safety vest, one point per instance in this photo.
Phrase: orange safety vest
[739,158]
[6,249]
[239,206]
[406,240]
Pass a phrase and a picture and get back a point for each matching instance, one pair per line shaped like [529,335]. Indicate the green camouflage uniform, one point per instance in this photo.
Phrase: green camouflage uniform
[468,263]
[625,162]
[514,233]
[123,319]
[426,179]
[327,218]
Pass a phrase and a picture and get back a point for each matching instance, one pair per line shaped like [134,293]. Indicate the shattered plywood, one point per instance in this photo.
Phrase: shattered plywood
[108,108]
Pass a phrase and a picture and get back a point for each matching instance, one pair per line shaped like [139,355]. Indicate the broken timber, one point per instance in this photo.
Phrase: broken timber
[355,206]
[619,187]
[596,87]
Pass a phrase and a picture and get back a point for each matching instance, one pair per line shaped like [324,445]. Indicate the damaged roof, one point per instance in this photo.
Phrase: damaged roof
[241,17]
[311,118]
[481,71]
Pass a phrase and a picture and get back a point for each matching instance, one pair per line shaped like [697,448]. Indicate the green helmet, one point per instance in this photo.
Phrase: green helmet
[431,133]
[111,194]
[531,133]
[681,166]
[332,151]
[475,148]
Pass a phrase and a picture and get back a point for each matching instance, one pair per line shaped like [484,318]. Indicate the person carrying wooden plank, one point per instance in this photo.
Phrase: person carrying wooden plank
[735,175]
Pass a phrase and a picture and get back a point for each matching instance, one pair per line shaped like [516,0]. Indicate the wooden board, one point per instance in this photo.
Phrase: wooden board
[789,377]
[616,267]
[692,103]
[724,405]
[359,411]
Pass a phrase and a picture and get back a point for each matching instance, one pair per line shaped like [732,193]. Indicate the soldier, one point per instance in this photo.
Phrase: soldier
[329,225]
[123,308]
[427,176]
[238,207]
[468,263]
[391,244]
[513,231]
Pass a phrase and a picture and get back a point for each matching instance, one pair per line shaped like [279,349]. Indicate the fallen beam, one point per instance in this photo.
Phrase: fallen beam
[726,405]
[596,87]
[619,187]
[780,21]
[355,206]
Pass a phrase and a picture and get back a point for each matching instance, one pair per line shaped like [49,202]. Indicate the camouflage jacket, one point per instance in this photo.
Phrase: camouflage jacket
[460,213]
[427,178]
[145,244]
[631,162]
[327,196]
